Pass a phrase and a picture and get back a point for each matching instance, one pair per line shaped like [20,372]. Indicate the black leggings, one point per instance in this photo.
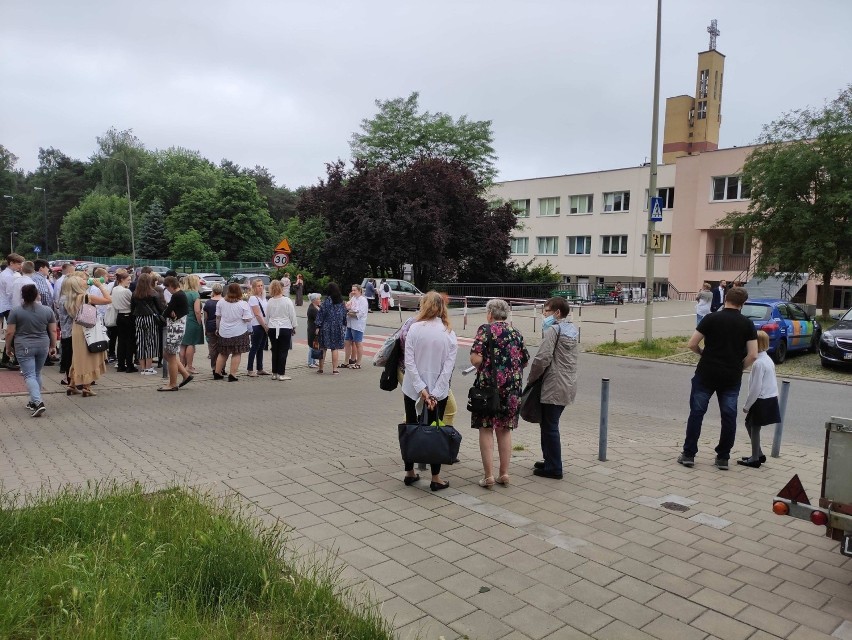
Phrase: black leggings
[65,356]
[279,339]
[126,335]
[411,418]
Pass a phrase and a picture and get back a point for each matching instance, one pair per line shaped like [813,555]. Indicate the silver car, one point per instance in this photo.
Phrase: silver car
[207,280]
[405,295]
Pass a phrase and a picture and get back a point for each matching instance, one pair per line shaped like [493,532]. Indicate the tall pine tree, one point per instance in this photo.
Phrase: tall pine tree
[153,243]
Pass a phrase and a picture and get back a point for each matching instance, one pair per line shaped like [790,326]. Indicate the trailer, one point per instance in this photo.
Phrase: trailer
[835,503]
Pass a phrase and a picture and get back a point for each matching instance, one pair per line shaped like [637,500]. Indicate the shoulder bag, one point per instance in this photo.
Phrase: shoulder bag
[531,396]
[87,315]
[485,398]
[97,340]
[159,319]
[389,379]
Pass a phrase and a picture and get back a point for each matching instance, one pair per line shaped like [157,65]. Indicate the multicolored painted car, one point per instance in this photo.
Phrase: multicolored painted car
[788,326]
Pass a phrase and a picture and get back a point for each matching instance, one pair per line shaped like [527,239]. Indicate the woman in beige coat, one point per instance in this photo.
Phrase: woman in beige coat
[556,361]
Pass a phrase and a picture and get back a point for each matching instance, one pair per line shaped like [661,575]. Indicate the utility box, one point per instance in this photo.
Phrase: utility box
[837,472]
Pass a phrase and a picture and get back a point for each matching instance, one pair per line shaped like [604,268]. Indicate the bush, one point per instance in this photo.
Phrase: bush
[313,283]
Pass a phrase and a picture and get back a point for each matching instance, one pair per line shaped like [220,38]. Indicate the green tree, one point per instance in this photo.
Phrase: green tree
[399,134]
[97,226]
[231,217]
[307,238]
[172,173]
[190,246]
[153,243]
[800,178]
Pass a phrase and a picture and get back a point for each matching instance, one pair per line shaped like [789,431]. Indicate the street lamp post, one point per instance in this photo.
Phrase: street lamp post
[12,218]
[129,208]
[44,198]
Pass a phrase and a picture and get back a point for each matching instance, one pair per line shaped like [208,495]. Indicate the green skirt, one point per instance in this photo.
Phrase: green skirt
[194,333]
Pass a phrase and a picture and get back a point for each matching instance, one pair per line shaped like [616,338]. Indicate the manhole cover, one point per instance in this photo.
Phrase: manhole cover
[674,506]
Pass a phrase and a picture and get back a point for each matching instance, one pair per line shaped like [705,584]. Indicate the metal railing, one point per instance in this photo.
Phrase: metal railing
[726,262]
[487,290]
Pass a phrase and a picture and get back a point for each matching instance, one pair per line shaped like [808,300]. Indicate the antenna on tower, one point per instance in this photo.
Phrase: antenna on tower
[713,30]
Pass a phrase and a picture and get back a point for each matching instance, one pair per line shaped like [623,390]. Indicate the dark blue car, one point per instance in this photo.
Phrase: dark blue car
[789,327]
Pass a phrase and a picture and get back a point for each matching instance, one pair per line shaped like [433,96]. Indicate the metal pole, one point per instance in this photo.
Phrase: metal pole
[652,187]
[604,426]
[44,200]
[779,428]
[129,209]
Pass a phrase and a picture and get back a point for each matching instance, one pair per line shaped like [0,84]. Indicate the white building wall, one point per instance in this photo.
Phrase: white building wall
[597,224]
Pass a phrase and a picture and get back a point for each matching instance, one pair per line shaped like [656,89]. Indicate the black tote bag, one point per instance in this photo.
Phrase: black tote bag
[429,444]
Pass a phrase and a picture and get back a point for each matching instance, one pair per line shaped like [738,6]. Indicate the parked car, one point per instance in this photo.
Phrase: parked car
[56,265]
[89,267]
[405,295]
[206,281]
[789,327]
[835,345]
[156,269]
[245,280]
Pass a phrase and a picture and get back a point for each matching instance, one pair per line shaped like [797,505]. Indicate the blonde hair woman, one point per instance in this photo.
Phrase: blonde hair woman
[85,367]
[430,356]
[281,322]
[194,333]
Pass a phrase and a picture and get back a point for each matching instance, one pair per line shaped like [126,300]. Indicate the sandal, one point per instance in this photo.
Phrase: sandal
[487,482]
[335,373]
[355,366]
[320,371]
[504,479]
[343,366]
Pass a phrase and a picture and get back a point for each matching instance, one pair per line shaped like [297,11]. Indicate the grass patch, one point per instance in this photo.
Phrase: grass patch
[115,562]
[518,447]
[655,349]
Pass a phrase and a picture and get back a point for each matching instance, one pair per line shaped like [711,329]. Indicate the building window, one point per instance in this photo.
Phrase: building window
[579,245]
[614,245]
[548,245]
[548,206]
[616,201]
[522,208]
[666,193]
[519,246]
[740,244]
[729,188]
[665,244]
[702,109]
[703,81]
[581,204]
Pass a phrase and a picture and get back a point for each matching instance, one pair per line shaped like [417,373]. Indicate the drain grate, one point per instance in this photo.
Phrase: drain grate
[674,506]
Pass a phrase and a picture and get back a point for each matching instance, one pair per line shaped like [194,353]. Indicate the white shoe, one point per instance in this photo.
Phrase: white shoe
[148,372]
[275,376]
[284,378]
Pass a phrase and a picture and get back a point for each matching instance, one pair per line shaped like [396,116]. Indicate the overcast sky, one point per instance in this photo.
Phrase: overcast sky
[568,84]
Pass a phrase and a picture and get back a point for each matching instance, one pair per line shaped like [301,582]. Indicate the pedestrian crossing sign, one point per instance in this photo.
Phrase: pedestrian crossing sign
[656,209]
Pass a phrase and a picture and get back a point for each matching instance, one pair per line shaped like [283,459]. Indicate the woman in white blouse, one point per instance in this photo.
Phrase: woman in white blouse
[281,322]
[233,319]
[430,356]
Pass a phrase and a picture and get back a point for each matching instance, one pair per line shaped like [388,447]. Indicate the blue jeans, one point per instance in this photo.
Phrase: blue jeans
[551,446]
[699,399]
[259,341]
[32,360]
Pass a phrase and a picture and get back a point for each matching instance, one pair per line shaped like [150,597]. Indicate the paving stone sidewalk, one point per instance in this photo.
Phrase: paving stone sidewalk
[606,553]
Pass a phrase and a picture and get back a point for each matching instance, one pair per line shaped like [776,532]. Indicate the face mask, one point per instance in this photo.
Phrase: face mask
[548,321]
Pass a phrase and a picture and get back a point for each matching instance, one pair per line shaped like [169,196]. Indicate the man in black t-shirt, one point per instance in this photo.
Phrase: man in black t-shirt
[730,345]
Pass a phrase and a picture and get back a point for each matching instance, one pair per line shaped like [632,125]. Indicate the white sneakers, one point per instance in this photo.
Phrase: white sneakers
[148,372]
[276,376]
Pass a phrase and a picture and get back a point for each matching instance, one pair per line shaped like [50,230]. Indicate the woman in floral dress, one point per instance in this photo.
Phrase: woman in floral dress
[509,357]
[330,326]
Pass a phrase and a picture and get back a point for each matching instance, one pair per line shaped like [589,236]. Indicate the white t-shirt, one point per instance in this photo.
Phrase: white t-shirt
[281,314]
[358,322]
[7,277]
[18,284]
[259,303]
[382,292]
[430,357]
[234,318]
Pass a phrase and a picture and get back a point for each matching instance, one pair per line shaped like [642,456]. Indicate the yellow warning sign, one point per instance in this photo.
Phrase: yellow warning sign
[283,246]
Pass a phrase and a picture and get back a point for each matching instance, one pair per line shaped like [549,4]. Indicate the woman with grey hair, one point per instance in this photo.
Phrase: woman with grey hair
[314,300]
[499,355]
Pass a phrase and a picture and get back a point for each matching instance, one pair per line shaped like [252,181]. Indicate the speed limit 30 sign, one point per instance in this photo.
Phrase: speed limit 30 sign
[281,259]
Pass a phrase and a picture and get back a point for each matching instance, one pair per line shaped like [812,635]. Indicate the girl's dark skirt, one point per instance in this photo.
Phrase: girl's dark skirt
[764,411]
[233,346]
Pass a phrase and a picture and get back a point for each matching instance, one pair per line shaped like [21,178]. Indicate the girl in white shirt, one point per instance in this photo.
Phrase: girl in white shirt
[761,405]
[281,322]
[233,319]
[430,356]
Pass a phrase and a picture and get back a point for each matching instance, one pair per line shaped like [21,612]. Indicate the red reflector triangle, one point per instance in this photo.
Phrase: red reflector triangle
[794,491]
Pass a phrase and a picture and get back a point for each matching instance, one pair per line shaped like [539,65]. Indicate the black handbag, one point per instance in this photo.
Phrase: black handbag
[531,396]
[429,444]
[485,398]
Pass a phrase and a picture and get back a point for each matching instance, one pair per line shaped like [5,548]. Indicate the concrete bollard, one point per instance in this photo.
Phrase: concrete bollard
[604,425]
[779,428]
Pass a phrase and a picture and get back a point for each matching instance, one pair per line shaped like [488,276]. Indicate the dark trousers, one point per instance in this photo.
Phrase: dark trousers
[112,334]
[699,399]
[65,356]
[126,340]
[551,444]
[279,340]
[258,344]
[411,418]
